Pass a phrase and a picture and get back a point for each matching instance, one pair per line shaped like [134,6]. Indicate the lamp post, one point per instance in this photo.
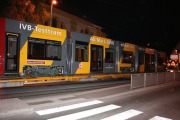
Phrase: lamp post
[178,59]
[177,53]
[52,3]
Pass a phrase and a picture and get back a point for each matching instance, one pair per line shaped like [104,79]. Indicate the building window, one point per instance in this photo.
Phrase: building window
[87,31]
[82,31]
[54,22]
[109,58]
[62,25]
[46,23]
[44,49]
[81,52]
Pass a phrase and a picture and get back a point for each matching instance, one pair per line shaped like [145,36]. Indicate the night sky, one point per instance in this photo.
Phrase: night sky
[135,21]
[143,22]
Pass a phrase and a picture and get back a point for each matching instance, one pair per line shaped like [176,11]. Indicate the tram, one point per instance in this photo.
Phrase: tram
[35,50]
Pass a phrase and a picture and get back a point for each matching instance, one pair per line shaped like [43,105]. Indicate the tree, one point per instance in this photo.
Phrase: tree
[33,11]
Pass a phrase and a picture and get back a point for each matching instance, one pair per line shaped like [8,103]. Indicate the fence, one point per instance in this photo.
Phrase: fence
[149,79]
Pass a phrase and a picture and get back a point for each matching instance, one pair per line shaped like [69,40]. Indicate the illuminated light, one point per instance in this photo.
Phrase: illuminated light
[54,2]
[171,71]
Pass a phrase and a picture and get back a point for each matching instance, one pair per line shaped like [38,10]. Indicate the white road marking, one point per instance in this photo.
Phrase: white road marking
[86,113]
[124,115]
[120,116]
[159,118]
[68,107]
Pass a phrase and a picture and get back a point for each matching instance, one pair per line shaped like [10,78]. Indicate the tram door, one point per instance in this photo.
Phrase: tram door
[147,62]
[96,58]
[12,55]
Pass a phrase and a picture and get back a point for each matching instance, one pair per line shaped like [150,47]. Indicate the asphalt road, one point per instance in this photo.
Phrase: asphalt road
[64,87]
[159,102]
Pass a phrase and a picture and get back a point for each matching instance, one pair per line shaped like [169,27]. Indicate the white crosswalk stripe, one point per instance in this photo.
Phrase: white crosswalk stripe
[69,107]
[87,113]
[159,118]
[91,112]
[124,115]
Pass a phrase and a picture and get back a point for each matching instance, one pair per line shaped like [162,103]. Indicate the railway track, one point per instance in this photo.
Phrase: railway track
[54,89]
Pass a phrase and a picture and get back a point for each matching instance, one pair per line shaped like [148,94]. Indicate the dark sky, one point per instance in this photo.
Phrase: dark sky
[140,22]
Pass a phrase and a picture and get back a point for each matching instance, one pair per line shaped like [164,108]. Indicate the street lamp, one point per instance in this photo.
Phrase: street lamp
[52,3]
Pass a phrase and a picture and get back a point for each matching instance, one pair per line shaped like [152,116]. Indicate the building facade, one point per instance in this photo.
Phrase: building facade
[174,60]
[72,23]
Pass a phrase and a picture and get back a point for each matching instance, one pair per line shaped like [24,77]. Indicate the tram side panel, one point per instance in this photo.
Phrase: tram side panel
[80,63]
[117,56]
[141,59]
[147,60]
[92,54]
[127,53]
[150,60]
[69,53]
[2,43]
[35,50]
[103,54]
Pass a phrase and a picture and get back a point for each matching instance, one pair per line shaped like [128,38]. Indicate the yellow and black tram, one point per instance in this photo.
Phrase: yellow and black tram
[36,50]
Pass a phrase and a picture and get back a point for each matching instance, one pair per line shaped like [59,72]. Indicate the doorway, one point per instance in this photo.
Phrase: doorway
[12,55]
[96,58]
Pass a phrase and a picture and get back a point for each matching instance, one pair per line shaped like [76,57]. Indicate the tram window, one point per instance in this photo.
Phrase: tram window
[160,61]
[141,58]
[53,50]
[109,55]
[127,57]
[43,49]
[152,59]
[36,49]
[81,52]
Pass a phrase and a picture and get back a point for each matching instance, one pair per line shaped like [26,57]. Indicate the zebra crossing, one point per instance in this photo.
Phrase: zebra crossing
[92,112]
